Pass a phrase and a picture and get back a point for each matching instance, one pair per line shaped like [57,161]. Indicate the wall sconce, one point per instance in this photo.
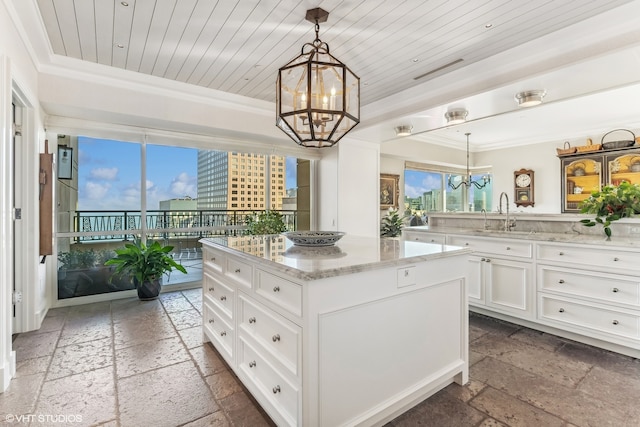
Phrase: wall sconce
[65,162]
[456,116]
[530,98]
[403,130]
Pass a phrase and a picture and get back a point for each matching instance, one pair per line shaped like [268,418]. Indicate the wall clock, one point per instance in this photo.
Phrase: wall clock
[523,187]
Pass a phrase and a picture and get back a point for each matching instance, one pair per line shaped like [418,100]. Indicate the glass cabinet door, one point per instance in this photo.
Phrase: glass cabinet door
[623,168]
[580,177]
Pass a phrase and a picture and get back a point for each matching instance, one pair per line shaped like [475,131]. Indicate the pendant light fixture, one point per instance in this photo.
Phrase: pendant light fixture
[318,97]
[467,181]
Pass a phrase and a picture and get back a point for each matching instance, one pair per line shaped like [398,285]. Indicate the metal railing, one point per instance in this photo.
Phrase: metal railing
[125,225]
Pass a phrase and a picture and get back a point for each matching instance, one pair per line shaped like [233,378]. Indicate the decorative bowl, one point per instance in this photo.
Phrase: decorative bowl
[314,238]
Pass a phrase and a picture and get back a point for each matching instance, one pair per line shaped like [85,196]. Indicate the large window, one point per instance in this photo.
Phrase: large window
[123,191]
[429,191]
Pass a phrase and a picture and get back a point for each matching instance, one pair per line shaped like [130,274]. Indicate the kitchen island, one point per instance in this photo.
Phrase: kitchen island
[350,334]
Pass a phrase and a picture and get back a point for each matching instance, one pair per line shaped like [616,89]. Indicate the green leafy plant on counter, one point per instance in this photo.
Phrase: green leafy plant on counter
[610,204]
[266,222]
[391,224]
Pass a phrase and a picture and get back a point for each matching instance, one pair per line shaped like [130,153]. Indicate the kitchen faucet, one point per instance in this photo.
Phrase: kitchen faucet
[484,211]
[507,224]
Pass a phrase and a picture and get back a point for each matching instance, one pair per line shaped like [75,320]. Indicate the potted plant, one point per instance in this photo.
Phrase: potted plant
[145,263]
[266,222]
[391,224]
[610,204]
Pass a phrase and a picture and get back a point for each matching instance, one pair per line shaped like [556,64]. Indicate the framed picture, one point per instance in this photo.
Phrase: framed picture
[65,162]
[389,190]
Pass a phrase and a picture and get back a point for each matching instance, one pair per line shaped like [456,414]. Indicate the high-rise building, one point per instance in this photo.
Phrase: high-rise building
[240,181]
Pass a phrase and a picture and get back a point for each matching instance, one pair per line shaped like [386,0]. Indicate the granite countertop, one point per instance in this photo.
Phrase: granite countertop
[351,254]
[569,237]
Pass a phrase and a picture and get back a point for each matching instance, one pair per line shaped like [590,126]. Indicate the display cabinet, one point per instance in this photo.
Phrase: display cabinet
[583,173]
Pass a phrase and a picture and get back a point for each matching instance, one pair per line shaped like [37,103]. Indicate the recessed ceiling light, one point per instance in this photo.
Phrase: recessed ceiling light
[124,3]
[415,60]
[119,45]
[487,26]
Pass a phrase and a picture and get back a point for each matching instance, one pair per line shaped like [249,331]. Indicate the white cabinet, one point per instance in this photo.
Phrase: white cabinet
[501,274]
[421,236]
[590,291]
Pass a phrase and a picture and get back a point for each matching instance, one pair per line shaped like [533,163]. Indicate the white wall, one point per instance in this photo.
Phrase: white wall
[17,73]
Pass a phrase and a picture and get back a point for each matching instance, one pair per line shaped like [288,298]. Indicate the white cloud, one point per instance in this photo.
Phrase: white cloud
[183,185]
[107,174]
[96,191]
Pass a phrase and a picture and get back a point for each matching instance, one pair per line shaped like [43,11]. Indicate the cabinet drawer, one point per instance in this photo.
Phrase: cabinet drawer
[218,293]
[239,271]
[219,331]
[276,334]
[597,256]
[281,292]
[212,259]
[263,379]
[426,237]
[604,320]
[602,287]
[506,247]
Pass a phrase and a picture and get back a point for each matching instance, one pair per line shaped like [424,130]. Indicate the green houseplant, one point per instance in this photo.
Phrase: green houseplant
[391,224]
[266,222]
[145,263]
[610,204]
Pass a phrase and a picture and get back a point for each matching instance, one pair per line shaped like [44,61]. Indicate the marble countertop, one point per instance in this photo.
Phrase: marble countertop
[351,254]
[569,237]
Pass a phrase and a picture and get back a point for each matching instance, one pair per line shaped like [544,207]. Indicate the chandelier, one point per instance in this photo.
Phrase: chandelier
[318,97]
[467,181]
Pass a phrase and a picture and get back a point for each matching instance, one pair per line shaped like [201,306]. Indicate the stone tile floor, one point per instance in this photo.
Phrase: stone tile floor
[132,363]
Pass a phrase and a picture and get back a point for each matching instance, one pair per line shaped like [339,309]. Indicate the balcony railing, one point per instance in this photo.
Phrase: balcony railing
[125,225]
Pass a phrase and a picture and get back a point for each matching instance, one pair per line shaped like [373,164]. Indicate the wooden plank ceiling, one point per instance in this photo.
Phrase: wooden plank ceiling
[238,46]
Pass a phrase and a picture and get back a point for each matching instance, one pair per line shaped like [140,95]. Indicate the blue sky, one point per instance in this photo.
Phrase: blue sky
[109,174]
[416,183]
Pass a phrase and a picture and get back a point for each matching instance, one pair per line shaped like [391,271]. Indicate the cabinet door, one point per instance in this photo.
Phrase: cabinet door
[508,286]
[623,167]
[476,280]
[581,175]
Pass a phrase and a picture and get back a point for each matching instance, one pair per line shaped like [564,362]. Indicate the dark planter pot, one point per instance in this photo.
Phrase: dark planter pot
[149,290]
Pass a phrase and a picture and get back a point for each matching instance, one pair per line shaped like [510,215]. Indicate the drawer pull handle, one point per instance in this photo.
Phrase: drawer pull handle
[211,289]
[211,320]
[466,244]
[223,298]
[561,253]
[276,337]
[615,322]
[252,364]
[483,259]
[237,270]
[561,281]
[615,290]
[252,320]
[616,259]
[223,333]
[433,240]
[276,289]
[213,259]
[276,389]
[561,310]
[488,260]
[508,248]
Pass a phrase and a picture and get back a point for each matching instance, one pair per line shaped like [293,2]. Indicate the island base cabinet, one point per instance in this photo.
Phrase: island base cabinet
[391,348]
